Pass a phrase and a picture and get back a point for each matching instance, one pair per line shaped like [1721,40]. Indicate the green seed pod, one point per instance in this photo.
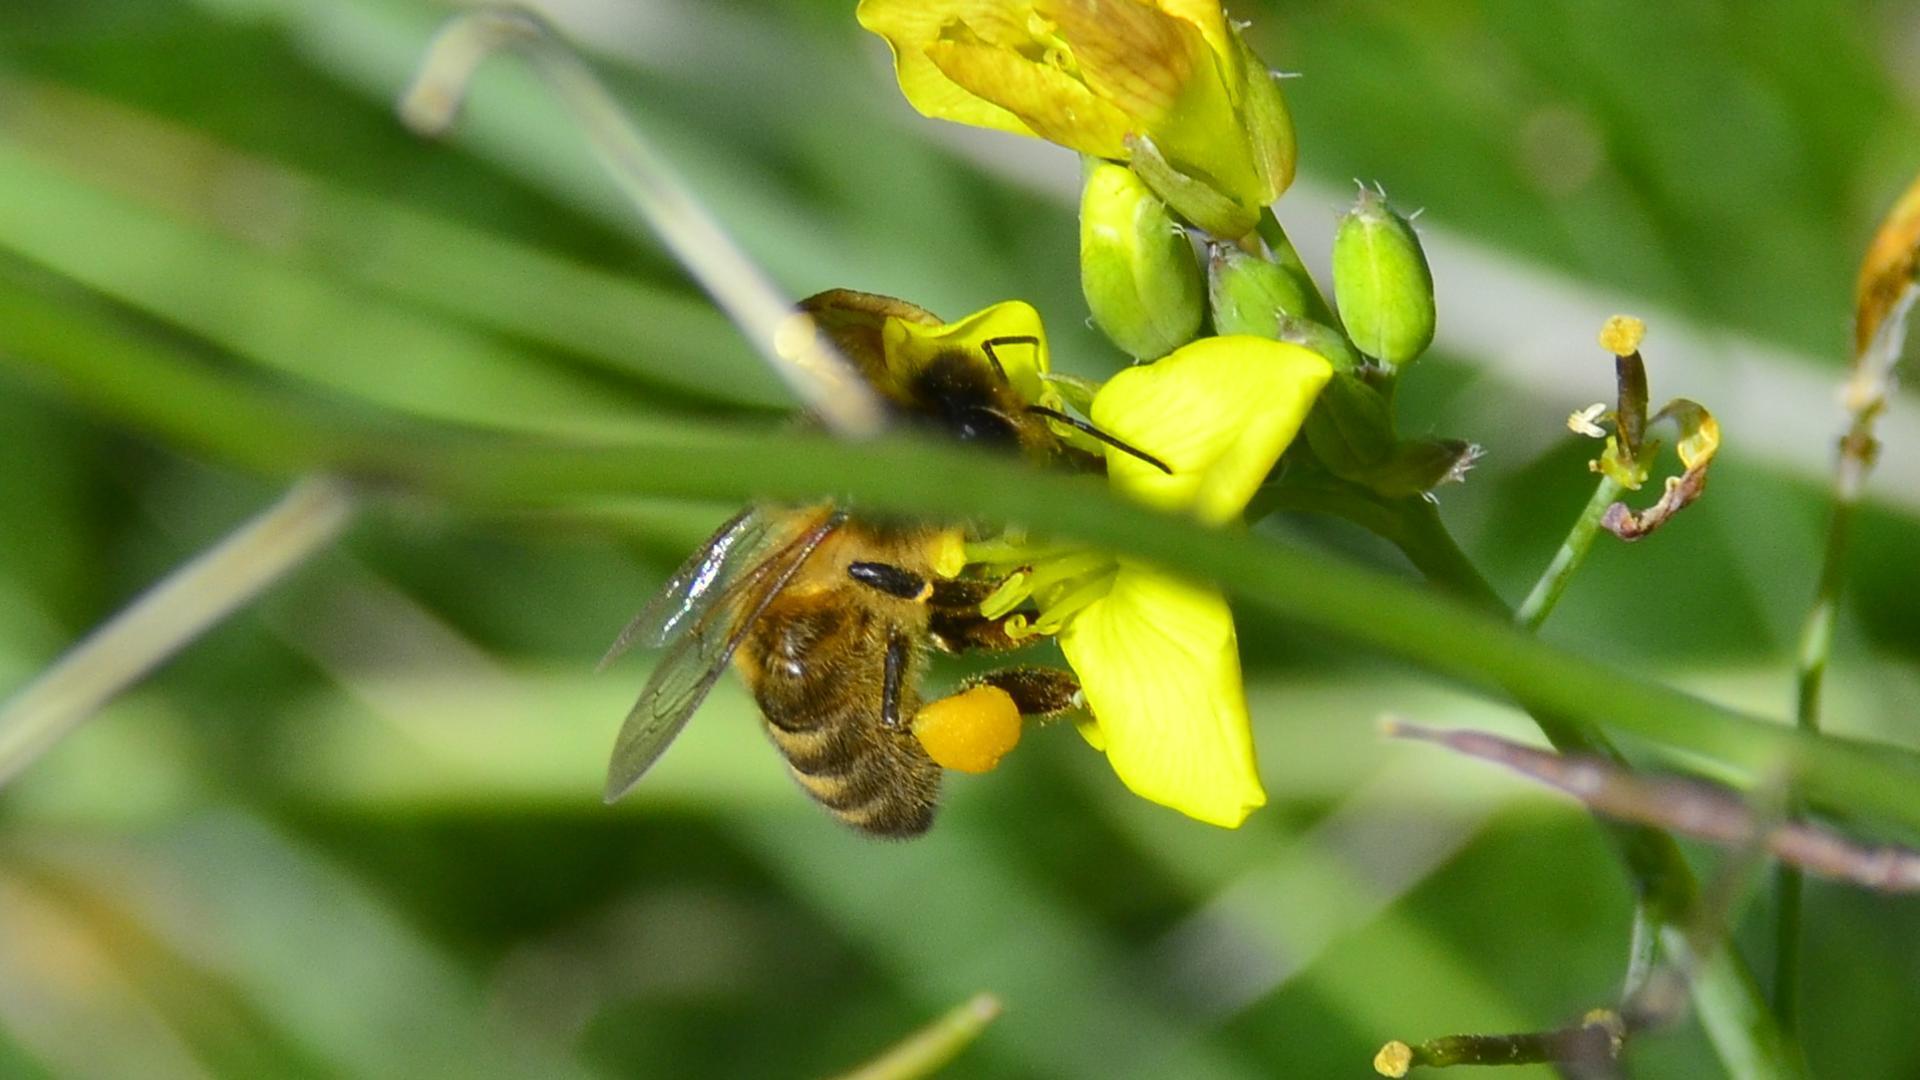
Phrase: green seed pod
[1319,338]
[1249,294]
[1137,269]
[1381,282]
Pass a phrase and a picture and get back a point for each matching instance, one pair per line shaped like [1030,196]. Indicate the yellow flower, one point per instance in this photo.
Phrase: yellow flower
[1156,655]
[1102,77]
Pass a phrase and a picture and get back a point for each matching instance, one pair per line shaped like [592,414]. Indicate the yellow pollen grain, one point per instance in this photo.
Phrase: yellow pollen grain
[971,730]
[1622,335]
[1394,1059]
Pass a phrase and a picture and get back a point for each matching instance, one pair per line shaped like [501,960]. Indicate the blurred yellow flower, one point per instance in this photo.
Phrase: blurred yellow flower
[1093,74]
[1156,655]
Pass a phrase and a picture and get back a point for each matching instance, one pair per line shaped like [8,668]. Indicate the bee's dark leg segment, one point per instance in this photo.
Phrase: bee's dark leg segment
[962,595]
[1036,691]
[897,656]
[1016,339]
[892,580]
[960,630]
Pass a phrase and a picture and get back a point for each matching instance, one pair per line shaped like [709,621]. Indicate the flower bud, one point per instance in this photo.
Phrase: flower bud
[1320,338]
[1351,428]
[1249,294]
[1137,269]
[1381,282]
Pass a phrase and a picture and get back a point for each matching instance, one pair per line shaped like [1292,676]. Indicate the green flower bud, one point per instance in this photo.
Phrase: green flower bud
[1381,282]
[1420,465]
[1137,269]
[1193,198]
[1249,294]
[1320,338]
[1351,427]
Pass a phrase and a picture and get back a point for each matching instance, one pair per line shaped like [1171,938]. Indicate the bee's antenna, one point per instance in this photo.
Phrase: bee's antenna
[1088,429]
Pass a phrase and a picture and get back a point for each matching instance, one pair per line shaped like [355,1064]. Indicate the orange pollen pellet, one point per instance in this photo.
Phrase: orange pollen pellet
[969,731]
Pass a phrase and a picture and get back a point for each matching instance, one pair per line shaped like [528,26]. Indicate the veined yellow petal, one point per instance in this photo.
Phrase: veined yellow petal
[1048,102]
[1218,411]
[1160,666]
[909,346]
[1208,17]
[1132,54]
[911,27]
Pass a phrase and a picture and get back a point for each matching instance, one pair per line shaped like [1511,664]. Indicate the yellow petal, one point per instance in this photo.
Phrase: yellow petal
[1208,17]
[1048,102]
[1218,411]
[1160,667]
[909,346]
[912,27]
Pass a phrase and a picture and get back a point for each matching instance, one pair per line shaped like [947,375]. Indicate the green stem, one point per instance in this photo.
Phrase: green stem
[142,383]
[1732,1009]
[1566,561]
[1816,646]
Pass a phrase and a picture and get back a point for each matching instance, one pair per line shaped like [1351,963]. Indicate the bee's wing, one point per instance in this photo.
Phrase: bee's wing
[698,657]
[699,582]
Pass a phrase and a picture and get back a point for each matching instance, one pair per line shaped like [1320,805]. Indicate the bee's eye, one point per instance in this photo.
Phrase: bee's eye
[984,426]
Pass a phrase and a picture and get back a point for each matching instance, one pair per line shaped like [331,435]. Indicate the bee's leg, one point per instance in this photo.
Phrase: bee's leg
[961,594]
[1040,692]
[956,630]
[1014,339]
[892,580]
[899,652]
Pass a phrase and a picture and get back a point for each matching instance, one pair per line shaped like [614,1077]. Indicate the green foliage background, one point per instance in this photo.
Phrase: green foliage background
[357,831]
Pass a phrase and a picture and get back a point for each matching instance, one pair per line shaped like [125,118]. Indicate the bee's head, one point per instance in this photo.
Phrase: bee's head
[966,400]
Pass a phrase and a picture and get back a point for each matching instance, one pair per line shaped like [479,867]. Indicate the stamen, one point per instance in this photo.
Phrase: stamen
[1006,596]
[1048,575]
[1085,591]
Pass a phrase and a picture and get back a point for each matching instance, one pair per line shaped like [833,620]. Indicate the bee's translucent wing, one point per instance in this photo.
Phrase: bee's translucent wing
[693,588]
[700,654]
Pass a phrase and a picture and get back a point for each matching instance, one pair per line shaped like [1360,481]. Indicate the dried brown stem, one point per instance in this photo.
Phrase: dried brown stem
[1690,807]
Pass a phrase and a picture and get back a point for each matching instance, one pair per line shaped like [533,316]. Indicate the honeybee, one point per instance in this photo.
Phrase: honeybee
[828,617]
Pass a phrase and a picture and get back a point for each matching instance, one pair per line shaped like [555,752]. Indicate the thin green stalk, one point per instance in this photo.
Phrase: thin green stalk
[1566,561]
[1868,388]
[487,472]
[1731,1007]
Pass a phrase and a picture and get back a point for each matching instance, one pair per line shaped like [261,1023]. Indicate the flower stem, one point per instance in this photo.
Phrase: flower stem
[1596,1042]
[1724,990]
[1867,390]
[1566,561]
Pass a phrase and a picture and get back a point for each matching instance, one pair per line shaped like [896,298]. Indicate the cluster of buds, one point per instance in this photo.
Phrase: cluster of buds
[1186,140]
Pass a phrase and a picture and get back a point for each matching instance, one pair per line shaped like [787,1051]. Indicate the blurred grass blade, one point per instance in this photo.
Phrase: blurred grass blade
[928,1050]
[286,318]
[626,326]
[818,375]
[168,616]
